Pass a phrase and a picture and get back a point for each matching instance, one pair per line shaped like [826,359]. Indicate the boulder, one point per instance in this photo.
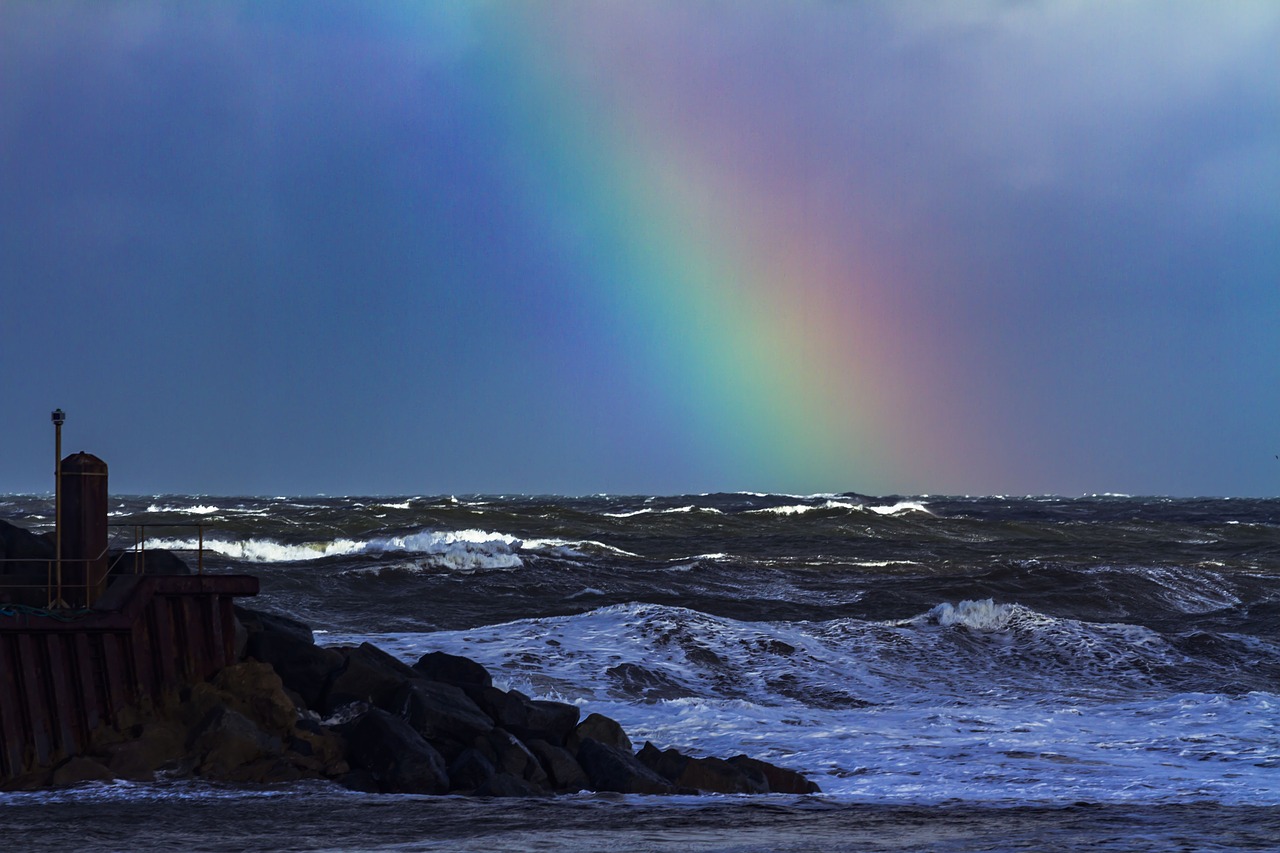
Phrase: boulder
[779,779]
[506,785]
[510,755]
[637,682]
[159,744]
[707,775]
[368,674]
[600,728]
[470,770]
[256,621]
[612,769]
[77,770]
[255,690]
[395,755]
[227,739]
[564,773]
[18,543]
[524,717]
[545,720]
[303,667]
[439,710]
[452,669]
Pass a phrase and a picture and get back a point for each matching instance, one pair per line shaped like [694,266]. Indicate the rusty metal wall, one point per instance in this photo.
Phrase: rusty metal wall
[60,681]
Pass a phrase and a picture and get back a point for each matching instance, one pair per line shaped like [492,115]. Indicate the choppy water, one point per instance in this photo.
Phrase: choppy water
[1063,668]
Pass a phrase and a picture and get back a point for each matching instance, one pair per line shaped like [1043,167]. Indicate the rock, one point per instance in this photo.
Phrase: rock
[612,769]
[707,775]
[667,763]
[717,776]
[779,779]
[564,772]
[360,779]
[639,683]
[545,720]
[396,755]
[255,690]
[77,770]
[302,666]
[228,739]
[470,770]
[439,710]
[368,674]
[600,728]
[265,771]
[257,621]
[510,755]
[524,717]
[322,744]
[18,543]
[24,561]
[506,785]
[453,669]
[160,744]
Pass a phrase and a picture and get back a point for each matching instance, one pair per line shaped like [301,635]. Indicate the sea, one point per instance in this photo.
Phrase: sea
[956,673]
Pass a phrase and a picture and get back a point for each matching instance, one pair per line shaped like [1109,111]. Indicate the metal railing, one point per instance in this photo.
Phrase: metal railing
[57,587]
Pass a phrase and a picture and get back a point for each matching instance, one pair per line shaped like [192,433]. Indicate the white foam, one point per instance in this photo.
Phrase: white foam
[460,550]
[907,712]
[901,507]
[192,510]
[801,509]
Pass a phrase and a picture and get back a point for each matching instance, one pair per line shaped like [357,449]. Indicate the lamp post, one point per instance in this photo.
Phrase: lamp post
[58,416]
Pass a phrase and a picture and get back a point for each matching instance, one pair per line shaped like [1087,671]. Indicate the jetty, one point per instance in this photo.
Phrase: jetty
[94,640]
[122,663]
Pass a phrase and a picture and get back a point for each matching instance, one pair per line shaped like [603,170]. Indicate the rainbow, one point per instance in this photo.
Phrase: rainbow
[747,310]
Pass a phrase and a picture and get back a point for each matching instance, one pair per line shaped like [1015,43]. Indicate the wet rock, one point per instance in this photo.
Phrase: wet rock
[600,728]
[506,785]
[707,775]
[159,744]
[470,770]
[526,718]
[553,722]
[368,674]
[564,773]
[638,682]
[396,755]
[255,690]
[227,739]
[77,770]
[612,769]
[510,755]
[780,780]
[439,710]
[303,667]
[452,669]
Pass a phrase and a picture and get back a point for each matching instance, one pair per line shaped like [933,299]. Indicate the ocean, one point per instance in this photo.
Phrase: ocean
[956,673]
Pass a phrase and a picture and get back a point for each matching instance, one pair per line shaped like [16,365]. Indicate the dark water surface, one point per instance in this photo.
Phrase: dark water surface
[313,821]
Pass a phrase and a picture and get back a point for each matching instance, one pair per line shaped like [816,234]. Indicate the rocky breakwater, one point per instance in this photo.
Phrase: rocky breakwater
[292,710]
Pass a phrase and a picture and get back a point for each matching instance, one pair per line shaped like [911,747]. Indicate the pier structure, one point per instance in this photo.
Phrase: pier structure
[109,649]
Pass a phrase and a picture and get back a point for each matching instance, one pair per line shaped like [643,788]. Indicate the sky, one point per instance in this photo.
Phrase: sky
[673,246]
